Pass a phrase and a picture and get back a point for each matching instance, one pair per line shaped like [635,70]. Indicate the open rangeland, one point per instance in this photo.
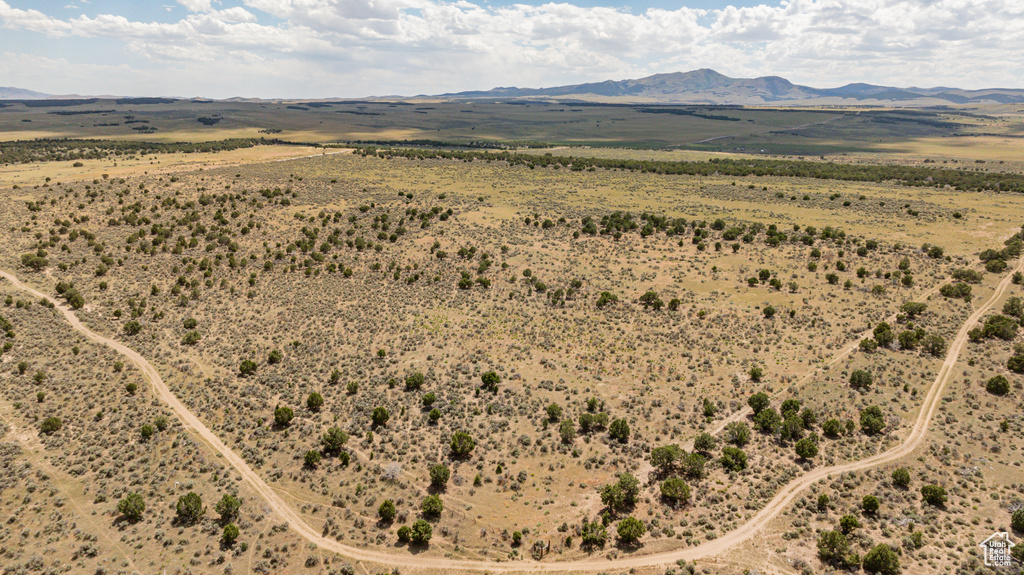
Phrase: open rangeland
[476,365]
[963,134]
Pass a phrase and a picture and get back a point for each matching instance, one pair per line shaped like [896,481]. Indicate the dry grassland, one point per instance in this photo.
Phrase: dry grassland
[330,262]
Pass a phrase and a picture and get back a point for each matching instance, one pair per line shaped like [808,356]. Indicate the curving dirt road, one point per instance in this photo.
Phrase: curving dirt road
[597,562]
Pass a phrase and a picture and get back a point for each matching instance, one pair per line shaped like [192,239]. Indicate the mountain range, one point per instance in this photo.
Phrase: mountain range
[702,86]
[707,86]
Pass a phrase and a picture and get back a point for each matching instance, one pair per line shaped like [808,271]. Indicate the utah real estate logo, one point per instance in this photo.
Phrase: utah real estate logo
[997,549]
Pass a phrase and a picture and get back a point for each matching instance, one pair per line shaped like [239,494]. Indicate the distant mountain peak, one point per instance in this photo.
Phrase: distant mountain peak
[12,93]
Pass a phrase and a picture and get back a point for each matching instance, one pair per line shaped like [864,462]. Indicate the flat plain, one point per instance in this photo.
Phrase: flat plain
[471,364]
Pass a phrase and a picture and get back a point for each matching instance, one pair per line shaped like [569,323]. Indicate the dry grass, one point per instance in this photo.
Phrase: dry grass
[653,368]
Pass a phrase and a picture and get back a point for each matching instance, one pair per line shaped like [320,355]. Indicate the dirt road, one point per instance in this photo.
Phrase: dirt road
[723,544]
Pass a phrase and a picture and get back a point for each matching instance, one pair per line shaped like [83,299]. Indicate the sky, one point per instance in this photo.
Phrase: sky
[358,48]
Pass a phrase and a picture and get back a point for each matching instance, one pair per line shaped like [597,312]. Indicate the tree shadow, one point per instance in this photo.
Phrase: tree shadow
[417,548]
[122,522]
[413,547]
[182,523]
[630,548]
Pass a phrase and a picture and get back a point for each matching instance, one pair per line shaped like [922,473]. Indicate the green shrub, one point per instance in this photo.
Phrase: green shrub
[733,459]
[1017,520]
[230,534]
[630,529]
[247,367]
[693,465]
[860,379]
[311,459]
[380,416]
[913,309]
[995,266]
[414,381]
[387,511]
[619,430]
[832,427]
[832,546]
[901,477]
[883,560]
[675,490]
[606,298]
[934,345]
[439,475]
[758,402]
[1016,364]
[131,507]
[1000,326]
[432,506]
[998,385]
[461,444]
[283,415]
[567,431]
[705,443]
[228,507]
[421,532]
[665,457]
[490,381]
[933,495]
[190,508]
[958,290]
[593,534]
[50,425]
[847,523]
[806,448]
[621,494]
[333,440]
[314,402]
[737,433]
[871,420]
[768,421]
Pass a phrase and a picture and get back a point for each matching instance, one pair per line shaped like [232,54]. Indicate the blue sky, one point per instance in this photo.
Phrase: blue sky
[353,48]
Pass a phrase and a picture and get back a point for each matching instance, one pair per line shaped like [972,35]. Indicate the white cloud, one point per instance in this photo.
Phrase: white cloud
[196,5]
[361,47]
[236,14]
[31,20]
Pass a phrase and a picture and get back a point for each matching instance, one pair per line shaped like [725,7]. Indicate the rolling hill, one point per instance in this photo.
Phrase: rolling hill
[12,93]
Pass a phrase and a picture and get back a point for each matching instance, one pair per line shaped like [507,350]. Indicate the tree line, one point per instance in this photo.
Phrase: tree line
[959,179]
[57,149]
